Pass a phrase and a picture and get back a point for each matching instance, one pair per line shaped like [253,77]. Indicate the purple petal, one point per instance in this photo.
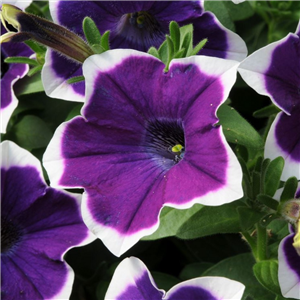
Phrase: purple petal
[284,140]
[55,73]
[10,73]
[207,288]
[39,224]
[275,71]
[222,42]
[114,16]
[288,269]
[119,151]
[132,280]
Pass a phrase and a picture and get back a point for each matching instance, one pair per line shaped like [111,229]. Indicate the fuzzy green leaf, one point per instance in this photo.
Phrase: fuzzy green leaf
[21,60]
[175,35]
[266,272]
[105,41]
[199,46]
[153,51]
[272,176]
[91,31]
[289,189]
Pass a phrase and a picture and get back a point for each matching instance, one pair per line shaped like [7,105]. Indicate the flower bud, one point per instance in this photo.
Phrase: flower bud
[22,26]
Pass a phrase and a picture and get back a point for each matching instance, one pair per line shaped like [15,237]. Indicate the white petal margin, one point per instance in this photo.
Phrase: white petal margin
[55,86]
[131,269]
[253,68]
[298,29]
[53,160]
[126,274]
[13,155]
[272,150]
[288,280]
[220,287]
[22,4]
[5,113]
[238,1]
[237,47]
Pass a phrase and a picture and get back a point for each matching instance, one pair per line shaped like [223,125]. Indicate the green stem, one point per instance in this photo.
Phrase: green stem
[261,250]
[250,241]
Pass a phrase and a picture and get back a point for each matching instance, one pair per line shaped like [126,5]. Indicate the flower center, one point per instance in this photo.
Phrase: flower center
[11,235]
[141,29]
[165,140]
[4,66]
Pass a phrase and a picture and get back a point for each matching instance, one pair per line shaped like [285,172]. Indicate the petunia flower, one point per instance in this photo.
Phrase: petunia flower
[38,225]
[10,73]
[146,139]
[132,280]
[289,248]
[289,267]
[135,25]
[274,71]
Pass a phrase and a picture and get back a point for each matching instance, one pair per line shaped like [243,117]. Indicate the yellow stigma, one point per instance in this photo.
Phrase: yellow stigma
[177,148]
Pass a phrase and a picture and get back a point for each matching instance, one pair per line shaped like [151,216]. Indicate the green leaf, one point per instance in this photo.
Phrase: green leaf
[21,60]
[75,79]
[91,31]
[29,85]
[32,132]
[34,71]
[266,220]
[187,44]
[194,270]
[221,12]
[266,272]
[74,112]
[266,111]
[35,46]
[238,131]
[239,12]
[239,268]
[170,51]
[272,176]
[163,52]
[171,219]
[153,51]
[289,189]
[199,46]
[278,229]
[249,217]
[164,281]
[268,201]
[105,41]
[175,35]
[212,220]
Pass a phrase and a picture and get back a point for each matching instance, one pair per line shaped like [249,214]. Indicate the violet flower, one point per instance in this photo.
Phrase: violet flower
[38,225]
[10,73]
[132,280]
[274,71]
[289,248]
[135,25]
[146,139]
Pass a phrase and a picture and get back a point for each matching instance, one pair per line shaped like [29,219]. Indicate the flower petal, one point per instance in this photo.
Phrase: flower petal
[222,42]
[39,225]
[284,140]
[288,269]
[107,153]
[207,288]
[132,280]
[274,71]
[12,73]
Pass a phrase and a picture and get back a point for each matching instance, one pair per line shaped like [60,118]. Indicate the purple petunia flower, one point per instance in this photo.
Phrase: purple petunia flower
[132,280]
[289,267]
[38,225]
[10,73]
[275,71]
[146,139]
[135,25]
